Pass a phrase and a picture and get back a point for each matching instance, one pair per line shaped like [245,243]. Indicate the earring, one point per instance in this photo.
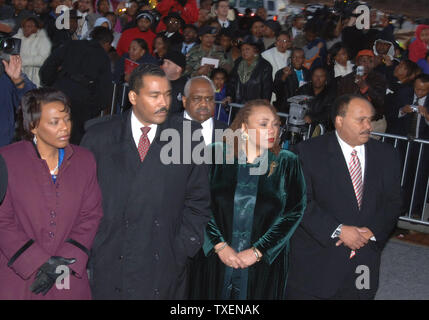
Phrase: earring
[244,136]
[35,140]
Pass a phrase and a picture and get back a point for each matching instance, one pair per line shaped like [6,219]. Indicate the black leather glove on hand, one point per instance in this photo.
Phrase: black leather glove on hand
[46,276]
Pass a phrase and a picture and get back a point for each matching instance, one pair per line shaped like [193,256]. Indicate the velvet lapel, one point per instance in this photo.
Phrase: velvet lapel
[341,177]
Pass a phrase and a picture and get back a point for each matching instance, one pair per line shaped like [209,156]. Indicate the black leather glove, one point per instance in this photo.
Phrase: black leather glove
[46,276]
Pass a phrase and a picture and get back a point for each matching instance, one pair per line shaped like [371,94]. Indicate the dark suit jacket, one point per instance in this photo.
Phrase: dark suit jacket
[175,39]
[286,89]
[395,101]
[154,214]
[217,125]
[403,124]
[318,267]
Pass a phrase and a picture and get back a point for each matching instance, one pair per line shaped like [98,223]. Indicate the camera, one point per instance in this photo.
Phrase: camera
[295,129]
[11,46]
[8,46]
[345,8]
[415,108]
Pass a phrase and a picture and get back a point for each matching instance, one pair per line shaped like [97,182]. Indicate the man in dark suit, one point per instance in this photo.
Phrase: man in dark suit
[174,24]
[155,212]
[221,10]
[199,103]
[353,201]
[413,121]
[288,80]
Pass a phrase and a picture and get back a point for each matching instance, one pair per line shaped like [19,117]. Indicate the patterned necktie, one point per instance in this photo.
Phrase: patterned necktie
[144,143]
[356,175]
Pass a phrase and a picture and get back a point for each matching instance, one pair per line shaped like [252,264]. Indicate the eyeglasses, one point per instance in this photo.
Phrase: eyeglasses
[199,99]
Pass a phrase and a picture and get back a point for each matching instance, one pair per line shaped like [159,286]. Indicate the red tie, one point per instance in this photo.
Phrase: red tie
[356,175]
[144,143]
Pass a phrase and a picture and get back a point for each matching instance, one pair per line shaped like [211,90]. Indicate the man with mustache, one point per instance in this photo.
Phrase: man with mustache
[353,202]
[154,213]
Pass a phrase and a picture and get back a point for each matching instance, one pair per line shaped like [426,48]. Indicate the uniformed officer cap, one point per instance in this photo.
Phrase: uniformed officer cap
[206,30]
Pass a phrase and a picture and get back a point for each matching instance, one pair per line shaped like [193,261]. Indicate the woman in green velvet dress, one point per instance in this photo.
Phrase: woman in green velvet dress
[258,199]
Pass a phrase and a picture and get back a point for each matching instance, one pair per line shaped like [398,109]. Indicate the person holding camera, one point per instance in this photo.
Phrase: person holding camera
[13,85]
[368,83]
[413,119]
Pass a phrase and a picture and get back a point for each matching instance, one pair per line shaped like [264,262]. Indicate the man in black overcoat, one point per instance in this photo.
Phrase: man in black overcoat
[155,212]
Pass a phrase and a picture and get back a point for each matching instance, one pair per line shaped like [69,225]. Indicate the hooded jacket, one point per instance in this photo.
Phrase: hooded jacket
[417,49]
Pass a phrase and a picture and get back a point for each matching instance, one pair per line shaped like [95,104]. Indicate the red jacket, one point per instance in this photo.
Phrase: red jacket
[417,49]
[129,35]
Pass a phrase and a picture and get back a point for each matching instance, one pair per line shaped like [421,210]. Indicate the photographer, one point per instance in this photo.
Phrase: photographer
[414,122]
[366,82]
[13,85]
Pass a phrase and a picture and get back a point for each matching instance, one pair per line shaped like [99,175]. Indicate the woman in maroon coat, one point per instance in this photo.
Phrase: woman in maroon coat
[52,207]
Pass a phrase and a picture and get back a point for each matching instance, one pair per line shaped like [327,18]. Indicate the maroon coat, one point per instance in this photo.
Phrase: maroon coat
[49,214]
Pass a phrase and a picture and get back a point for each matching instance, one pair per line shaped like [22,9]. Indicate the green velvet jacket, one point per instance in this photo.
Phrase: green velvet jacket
[280,203]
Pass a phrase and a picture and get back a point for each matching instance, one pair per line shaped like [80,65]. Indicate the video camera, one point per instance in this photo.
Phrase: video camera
[345,8]
[8,46]
[296,129]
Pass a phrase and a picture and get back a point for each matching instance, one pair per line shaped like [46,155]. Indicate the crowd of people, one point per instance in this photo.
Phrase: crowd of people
[297,230]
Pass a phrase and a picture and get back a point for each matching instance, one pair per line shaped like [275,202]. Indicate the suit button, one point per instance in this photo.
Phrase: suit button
[192,239]
[156,223]
[156,292]
[52,224]
[51,235]
[156,256]
[126,223]
[118,290]
[121,257]
[53,214]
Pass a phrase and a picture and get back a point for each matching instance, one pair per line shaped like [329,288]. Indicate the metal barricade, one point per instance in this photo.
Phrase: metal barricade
[419,180]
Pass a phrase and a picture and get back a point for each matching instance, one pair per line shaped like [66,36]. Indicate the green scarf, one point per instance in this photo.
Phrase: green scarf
[245,70]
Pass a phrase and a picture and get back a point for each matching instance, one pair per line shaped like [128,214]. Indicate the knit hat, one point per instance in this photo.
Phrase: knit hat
[177,58]
[145,14]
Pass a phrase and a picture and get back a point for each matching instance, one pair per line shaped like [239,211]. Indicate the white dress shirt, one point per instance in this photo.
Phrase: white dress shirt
[207,128]
[347,152]
[223,24]
[136,126]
